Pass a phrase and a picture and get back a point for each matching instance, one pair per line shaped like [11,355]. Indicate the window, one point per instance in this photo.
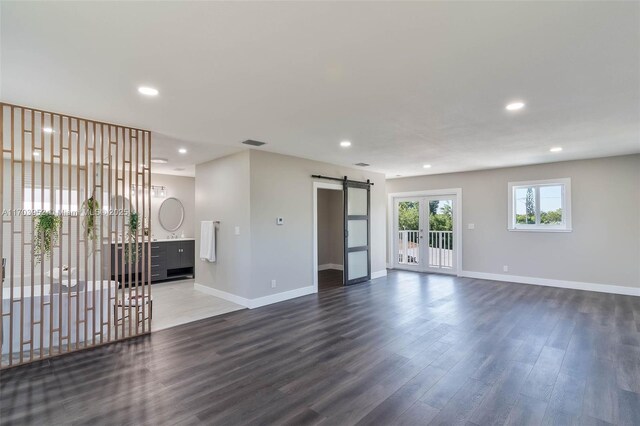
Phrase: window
[543,205]
[65,200]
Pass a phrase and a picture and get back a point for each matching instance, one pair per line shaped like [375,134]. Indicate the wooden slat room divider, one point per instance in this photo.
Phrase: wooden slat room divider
[72,189]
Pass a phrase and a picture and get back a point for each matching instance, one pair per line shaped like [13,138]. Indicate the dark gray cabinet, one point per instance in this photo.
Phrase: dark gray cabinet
[180,254]
[169,260]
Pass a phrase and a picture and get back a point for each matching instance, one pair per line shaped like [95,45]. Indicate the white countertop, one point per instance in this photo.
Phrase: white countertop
[161,240]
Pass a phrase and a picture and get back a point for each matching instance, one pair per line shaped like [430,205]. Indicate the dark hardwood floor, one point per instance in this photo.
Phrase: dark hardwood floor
[329,278]
[406,349]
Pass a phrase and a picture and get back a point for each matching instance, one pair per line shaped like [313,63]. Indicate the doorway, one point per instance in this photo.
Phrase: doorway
[425,229]
[355,225]
[330,242]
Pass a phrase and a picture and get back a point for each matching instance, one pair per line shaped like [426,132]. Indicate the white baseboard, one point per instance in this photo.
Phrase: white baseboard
[330,266]
[378,274]
[575,285]
[255,303]
[222,294]
[280,297]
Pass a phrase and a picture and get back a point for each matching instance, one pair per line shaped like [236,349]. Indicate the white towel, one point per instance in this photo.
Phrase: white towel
[207,241]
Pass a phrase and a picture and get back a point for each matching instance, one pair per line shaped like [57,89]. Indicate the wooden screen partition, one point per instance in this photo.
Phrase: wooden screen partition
[72,189]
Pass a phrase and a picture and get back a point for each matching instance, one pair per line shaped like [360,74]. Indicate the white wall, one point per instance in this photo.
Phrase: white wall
[330,227]
[604,247]
[182,188]
[250,190]
[222,193]
[281,185]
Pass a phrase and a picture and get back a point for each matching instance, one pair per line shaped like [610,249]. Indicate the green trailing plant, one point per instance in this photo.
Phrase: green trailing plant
[131,249]
[91,208]
[46,233]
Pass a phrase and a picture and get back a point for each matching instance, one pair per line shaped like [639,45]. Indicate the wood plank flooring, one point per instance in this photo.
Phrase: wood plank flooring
[406,349]
[329,278]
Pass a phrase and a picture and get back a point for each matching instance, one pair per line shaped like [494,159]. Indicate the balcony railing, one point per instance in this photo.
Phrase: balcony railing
[440,250]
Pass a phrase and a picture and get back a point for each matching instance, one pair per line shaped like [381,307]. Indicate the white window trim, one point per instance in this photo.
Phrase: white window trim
[566,206]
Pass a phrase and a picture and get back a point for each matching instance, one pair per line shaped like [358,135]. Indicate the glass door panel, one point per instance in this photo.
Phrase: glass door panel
[357,201]
[440,225]
[408,216]
[358,267]
[357,233]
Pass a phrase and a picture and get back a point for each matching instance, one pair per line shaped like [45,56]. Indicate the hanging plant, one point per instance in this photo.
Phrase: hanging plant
[91,208]
[131,253]
[47,231]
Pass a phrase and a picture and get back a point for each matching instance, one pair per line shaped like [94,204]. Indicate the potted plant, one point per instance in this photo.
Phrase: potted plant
[91,208]
[46,234]
[131,253]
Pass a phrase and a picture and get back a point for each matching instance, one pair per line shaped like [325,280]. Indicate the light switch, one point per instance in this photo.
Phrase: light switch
[471,226]
[279,221]
[237,230]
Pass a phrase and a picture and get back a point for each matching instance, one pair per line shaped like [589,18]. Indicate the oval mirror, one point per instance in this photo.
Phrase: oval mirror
[171,214]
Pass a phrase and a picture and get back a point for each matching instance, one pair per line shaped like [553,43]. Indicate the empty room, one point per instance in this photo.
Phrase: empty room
[320,213]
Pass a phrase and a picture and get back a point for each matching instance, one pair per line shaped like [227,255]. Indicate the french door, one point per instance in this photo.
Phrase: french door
[357,253]
[424,234]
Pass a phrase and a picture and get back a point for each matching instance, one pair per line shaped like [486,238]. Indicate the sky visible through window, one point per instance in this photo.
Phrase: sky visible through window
[550,199]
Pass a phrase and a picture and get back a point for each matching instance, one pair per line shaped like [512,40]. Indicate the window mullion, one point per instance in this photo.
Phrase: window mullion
[537,206]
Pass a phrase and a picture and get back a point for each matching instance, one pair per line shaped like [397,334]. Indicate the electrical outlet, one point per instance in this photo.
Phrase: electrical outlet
[237,230]
[505,268]
[471,226]
[273,283]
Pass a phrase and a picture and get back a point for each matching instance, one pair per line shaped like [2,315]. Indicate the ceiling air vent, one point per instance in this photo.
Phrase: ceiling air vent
[362,164]
[253,143]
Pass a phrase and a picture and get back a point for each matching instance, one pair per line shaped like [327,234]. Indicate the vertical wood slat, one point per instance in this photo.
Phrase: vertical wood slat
[31,150]
[22,137]
[11,271]
[134,250]
[42,306]
[94,247]
[69,227]
[80,239]
[83,148]
[84,143]
[52,199]
[107,254]
[121,187]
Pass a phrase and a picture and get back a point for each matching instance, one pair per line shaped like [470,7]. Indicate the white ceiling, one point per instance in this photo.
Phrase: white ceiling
[407,83]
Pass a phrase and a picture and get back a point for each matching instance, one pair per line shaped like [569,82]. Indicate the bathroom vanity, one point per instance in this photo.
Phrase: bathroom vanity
[171,259]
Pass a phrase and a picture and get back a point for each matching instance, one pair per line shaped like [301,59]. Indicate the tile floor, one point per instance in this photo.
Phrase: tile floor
[177,302]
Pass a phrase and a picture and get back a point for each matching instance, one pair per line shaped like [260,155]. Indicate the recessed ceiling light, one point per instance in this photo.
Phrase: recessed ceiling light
[149,91]
[556,149]
[426,166]
[345,144]
[47,130]
[182,150]
[36,154]
[158,160]
[515,106]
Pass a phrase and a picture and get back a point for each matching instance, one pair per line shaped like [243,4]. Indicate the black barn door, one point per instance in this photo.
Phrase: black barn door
[357,232]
